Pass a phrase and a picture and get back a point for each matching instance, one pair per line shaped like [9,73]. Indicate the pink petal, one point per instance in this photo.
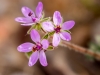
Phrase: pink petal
[23,20]
[65,36]
[57,19]
[33,58]
[39,9]
[25,47]
[35,36]
[56,39]
[68,25]
[28,24]
[48,26]
[26,11]
[45,43]
[42,58]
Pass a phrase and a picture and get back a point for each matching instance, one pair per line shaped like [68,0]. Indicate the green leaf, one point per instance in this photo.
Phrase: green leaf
[94,47]
[43,14]
[67,31]
[38,26]
[46,19]
[51,33]
[91,58]
[45,36]
[50,48]
[32,27]
[28,54]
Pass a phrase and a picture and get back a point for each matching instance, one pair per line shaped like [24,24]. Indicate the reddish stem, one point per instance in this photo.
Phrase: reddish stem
[81,49]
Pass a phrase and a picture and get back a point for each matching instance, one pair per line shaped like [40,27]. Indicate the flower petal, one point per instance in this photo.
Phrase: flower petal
[68,25]
[35,36]
[65,36]
[48,26]
[33,58]
[45,43]
[56,39]
[27,12]
[57,19]
[28,24]
[39,9]
[23,20]
[25,47]
[42,58]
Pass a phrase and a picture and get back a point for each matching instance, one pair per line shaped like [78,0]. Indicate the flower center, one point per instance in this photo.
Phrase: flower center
[37,47]
[57,29]
[33,19]
[30,14]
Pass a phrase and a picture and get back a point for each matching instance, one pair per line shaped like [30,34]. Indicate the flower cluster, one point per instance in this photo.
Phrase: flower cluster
[55,29]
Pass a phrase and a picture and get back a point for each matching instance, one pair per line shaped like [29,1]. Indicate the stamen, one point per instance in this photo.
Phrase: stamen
[57,29]
[33,19]
[30,14]
[37,47]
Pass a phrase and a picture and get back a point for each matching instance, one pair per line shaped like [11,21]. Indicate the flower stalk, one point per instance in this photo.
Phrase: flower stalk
[80,49]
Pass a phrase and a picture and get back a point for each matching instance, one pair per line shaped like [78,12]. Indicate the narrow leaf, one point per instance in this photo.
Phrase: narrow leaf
[38,26]
[45,36]
[28,54]
[50,48]
[32,27]
[46,19]
[51,33]
[67,31]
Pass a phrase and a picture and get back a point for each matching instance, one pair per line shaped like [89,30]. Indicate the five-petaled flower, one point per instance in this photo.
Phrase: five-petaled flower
[60,29]
[30,17]
[38,49]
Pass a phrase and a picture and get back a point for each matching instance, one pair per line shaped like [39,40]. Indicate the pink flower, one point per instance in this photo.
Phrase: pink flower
[59,28]
[30,17]
[39,47]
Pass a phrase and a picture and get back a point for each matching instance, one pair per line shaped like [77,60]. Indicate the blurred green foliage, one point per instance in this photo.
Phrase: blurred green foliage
[92,5]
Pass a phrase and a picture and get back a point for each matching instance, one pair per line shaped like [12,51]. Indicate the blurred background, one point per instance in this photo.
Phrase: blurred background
[62,61]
